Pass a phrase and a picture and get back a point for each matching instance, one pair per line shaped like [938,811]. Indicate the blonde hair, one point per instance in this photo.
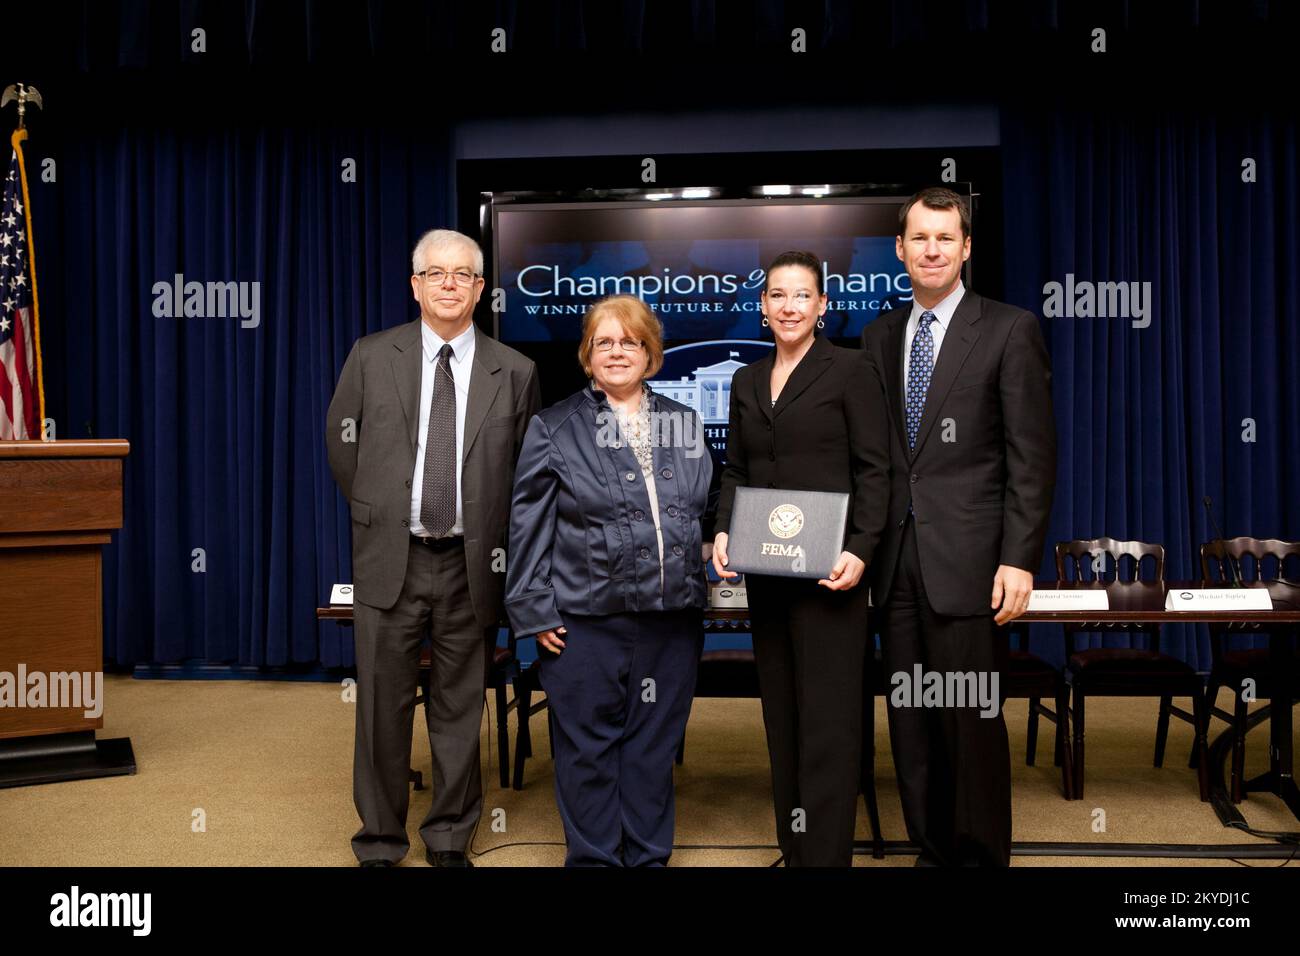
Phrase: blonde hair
[637,320]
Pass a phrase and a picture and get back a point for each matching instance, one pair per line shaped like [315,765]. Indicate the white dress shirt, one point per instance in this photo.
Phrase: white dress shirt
[943,313]
[462,361]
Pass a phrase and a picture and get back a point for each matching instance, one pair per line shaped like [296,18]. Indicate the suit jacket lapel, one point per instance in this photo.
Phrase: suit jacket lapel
[763,382]
[406,376]
[894,370]
[484,383]
[957,343]
[808,370]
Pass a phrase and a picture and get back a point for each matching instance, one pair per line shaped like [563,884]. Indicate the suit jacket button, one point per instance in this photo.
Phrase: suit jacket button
[667,473]
[408,482]
[406,522]
[629,476]
[915,478]
[645,552]
[677,549]
[639,515]
[672,511]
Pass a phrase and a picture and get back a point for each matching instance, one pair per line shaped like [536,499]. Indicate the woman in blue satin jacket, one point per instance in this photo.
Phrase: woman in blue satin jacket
[604,567]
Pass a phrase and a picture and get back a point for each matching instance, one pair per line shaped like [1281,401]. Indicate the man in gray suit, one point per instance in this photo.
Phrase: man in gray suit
[423,433]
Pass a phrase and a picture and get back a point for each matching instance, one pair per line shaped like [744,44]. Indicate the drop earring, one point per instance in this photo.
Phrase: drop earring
[765,322]
[821,323]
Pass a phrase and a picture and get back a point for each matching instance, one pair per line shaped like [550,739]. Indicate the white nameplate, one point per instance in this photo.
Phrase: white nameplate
[1069,599]
[1218,599]
[728,596]
[341,594]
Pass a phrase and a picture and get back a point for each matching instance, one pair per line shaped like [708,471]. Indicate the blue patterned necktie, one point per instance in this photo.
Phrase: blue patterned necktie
[919,367]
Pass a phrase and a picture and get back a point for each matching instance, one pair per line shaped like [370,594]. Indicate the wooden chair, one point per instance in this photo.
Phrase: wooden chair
[1127,671]
[1222,562]
[501,667]
[527,683]
[722,673]
[1029,677]
[733,673]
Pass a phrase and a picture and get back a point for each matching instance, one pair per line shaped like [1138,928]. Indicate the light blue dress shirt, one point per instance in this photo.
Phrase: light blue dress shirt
[943,313]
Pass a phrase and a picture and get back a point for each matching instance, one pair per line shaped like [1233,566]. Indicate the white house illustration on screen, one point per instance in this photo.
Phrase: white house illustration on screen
[707,389]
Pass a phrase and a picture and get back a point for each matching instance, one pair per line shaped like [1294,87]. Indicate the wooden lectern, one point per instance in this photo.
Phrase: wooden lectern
[59,501]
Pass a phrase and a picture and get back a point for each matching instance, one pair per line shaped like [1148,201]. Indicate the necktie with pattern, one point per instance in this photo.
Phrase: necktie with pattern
[919,367]
[438,496]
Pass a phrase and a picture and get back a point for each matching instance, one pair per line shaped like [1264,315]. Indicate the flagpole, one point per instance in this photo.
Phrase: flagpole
[22,94]
[16,140]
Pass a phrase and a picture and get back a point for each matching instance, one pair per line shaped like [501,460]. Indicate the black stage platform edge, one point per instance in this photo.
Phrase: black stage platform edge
[1172,851]
[28,761]
[1285,848]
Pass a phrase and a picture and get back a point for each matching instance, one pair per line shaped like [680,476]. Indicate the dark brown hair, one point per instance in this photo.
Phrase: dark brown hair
[936,197]
[797,257]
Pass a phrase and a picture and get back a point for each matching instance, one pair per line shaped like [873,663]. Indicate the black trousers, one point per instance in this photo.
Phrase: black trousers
[809,645]
[434,603]
[953,763]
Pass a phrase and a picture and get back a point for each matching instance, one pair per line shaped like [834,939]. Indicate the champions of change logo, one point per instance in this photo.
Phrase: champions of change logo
[699,376]
[703,290]
[540,281]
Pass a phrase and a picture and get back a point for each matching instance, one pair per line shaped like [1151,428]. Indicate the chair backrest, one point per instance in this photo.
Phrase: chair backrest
[1086,560]
[1268,559]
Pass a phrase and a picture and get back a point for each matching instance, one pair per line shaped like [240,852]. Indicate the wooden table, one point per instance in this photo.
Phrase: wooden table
[1143,602]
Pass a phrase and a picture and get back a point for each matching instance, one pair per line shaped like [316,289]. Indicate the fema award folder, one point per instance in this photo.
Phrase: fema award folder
[796,534]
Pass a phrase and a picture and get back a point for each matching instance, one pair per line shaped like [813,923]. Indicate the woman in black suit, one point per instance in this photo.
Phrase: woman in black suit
[810,416]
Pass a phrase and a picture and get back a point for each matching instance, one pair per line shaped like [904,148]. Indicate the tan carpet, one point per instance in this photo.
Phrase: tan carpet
[269,764]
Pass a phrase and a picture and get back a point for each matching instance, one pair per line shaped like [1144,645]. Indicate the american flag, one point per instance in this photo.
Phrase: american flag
[20,392]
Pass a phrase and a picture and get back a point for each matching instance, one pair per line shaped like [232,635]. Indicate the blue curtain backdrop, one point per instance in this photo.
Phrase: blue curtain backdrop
[225,422]
[1151,419]
[205,163]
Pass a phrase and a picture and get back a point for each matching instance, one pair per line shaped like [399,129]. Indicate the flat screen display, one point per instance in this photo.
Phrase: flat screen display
[699,264]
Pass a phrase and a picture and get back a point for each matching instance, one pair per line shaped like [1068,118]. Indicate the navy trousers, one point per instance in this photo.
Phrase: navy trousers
[619,695]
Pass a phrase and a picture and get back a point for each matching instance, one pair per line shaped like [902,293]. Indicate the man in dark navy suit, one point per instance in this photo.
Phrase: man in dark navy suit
[973,465]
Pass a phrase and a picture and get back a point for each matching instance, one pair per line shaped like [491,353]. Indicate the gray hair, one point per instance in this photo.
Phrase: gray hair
[436,239]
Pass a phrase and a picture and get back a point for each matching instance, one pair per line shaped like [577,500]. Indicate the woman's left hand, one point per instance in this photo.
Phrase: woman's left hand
[846,573]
